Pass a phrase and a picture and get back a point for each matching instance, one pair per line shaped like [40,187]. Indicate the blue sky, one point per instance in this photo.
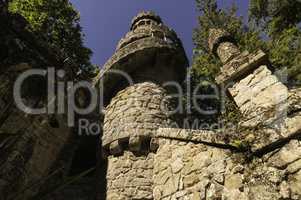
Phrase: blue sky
[104,22]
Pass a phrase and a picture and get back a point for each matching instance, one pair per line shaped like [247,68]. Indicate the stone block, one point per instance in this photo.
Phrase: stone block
[261,97]
[115,148]
[240,66]
[135,143]
[130,176]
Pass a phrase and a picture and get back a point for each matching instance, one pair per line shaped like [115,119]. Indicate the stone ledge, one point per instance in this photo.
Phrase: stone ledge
[207,137]
[158,31]
[289,129]
[119,69]
[240,66]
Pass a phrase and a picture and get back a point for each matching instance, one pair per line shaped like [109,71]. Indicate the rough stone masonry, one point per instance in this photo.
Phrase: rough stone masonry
[147,159]
[150,55]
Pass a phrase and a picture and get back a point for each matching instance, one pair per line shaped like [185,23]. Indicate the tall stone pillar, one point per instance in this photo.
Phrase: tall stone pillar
[137,104]
[257,92]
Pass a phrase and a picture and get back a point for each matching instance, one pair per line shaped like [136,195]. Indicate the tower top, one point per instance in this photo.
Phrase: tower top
[216,37]
[145,16]
[150,51]
[223,45]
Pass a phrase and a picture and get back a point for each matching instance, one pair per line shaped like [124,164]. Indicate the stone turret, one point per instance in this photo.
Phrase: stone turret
[260,96]
[258,93]
[222,44]
[137,104]
[236,64]
[150,51]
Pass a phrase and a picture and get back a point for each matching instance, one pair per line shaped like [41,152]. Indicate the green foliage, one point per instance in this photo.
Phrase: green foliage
[58,21]
[285,54]
[275,16]
[279,21]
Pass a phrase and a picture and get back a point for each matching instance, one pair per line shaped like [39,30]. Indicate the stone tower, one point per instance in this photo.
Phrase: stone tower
[258,93]
[137,104]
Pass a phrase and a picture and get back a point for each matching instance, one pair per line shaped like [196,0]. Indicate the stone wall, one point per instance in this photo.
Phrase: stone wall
[36,150]
[130,176]
[186,170]
[32,147]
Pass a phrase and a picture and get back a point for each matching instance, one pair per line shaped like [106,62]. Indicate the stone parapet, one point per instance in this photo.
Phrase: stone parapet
[159,31]
[148,59]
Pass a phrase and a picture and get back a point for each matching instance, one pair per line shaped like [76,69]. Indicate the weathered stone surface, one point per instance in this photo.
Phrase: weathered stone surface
[115,147]
[221,44]
[148,56]
[240,66]
[294,100]
[204,172]
[32,147]
[295,185]
[227,51]
[211,138]
[187,170]
[287,157]
[36,150]
[234,181]
[145,15]
[285,163]
[130,176]
[261,97]
[135,114]
[216,37]
[267,103]
[33,156]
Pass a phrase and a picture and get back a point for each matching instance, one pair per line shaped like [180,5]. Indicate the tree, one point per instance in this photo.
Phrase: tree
[280,22]
[275,16]
[58,21]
